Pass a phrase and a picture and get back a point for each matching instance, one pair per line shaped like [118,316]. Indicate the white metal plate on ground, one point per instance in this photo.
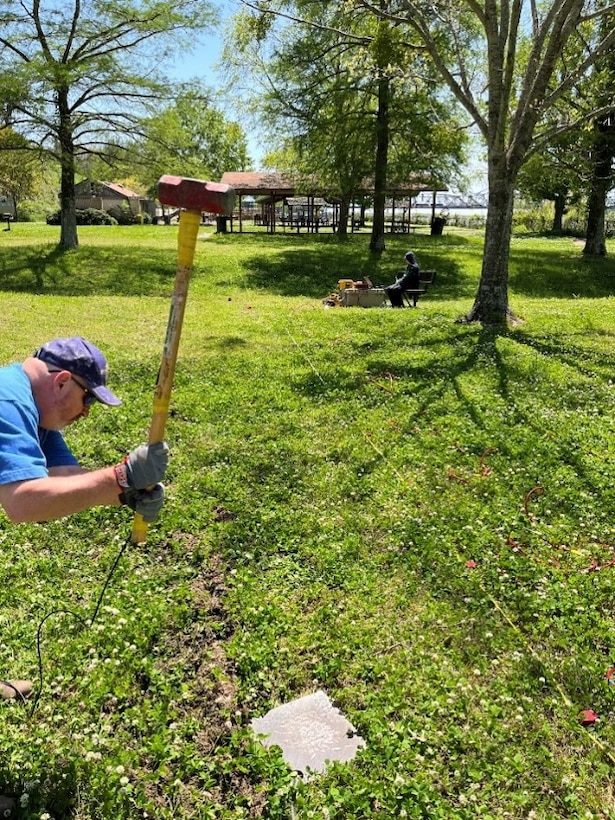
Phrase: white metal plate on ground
[310,731]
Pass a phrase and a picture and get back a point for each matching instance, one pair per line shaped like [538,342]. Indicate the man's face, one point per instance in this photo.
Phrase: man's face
[69,401]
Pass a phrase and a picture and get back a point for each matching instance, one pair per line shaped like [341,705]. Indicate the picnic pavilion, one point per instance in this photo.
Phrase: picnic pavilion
[280,203]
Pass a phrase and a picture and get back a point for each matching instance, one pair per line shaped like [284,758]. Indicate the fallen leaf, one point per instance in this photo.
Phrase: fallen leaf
[587,717]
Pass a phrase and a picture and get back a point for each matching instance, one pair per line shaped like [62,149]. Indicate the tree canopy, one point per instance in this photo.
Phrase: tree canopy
[557,173]
[189,137]
[347,95]
[74,75]
[20,166]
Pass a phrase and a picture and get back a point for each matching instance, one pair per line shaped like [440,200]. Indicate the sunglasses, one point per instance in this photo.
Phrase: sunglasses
[88,397]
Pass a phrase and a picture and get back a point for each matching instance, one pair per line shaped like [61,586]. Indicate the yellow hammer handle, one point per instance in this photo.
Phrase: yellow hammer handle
[189,222]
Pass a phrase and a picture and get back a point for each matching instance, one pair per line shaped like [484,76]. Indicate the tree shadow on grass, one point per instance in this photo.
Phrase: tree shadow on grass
[84,271]
[313,268]
[305,265]
[432,374]
[556,273]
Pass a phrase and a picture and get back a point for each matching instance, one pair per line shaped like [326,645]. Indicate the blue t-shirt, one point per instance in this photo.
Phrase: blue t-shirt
[26,450]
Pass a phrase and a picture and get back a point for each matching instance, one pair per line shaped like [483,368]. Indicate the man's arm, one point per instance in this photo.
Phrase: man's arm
[410,278]
[67,469]
[43,499]
[69,489]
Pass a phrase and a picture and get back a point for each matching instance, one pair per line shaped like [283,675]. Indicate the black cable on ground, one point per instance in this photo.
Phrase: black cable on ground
[77,617]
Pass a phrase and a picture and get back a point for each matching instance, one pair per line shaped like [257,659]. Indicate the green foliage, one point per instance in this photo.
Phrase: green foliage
[70,75]
[412,514]
[122,215]
[387,46]
[190,137]
[20,166]
[91,216]
[558,173]
[318,97]
[536,220]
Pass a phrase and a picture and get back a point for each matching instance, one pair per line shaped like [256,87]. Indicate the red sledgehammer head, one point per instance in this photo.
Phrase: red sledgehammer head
[196,195]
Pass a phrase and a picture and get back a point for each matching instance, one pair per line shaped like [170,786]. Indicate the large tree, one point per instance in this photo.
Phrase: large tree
[603,147]
[602,153]
[305,88]
[503,62]
[350,97]
[73,75]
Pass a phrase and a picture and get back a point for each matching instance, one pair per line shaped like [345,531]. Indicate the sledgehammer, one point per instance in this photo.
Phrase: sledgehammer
[193,196]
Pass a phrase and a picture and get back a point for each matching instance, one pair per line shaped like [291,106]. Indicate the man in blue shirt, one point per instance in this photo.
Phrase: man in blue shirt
[40,478]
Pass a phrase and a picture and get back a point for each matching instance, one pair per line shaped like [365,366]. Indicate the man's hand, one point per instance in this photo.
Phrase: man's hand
[143,467]
[146,503]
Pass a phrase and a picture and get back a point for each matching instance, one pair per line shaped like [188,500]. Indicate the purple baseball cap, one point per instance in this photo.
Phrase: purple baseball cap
[82,359]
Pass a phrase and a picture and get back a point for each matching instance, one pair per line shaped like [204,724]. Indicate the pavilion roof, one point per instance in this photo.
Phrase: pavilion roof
[259,183]
[280,186]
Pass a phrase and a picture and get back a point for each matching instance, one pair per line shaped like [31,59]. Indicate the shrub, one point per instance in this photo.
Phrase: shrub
[469,220]
[123,215]
[142,219]
[536,220]
[92,216]
[88,216]
[24,214]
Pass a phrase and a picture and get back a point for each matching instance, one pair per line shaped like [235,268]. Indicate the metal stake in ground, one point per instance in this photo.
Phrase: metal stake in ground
[193,196]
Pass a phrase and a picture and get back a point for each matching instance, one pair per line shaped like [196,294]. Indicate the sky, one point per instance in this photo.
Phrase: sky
[200,64]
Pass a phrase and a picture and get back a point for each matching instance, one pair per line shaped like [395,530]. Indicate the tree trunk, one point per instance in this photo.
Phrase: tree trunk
[558,217]
[342,228]
[602,157]
[491,301]
[362,215]
[68,216]
[380,172]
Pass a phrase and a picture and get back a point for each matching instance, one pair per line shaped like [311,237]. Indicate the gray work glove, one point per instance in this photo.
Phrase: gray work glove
[146,503]
[143,467]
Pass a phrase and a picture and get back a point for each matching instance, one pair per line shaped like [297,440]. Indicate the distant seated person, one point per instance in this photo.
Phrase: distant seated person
[408,280]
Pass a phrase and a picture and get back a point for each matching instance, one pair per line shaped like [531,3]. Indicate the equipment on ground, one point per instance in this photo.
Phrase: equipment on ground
[362,297]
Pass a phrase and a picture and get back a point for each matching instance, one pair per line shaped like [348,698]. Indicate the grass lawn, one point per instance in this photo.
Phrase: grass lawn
[414,515]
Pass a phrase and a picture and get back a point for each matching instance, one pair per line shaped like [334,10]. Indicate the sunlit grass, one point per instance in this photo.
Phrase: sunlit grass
[412,514]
